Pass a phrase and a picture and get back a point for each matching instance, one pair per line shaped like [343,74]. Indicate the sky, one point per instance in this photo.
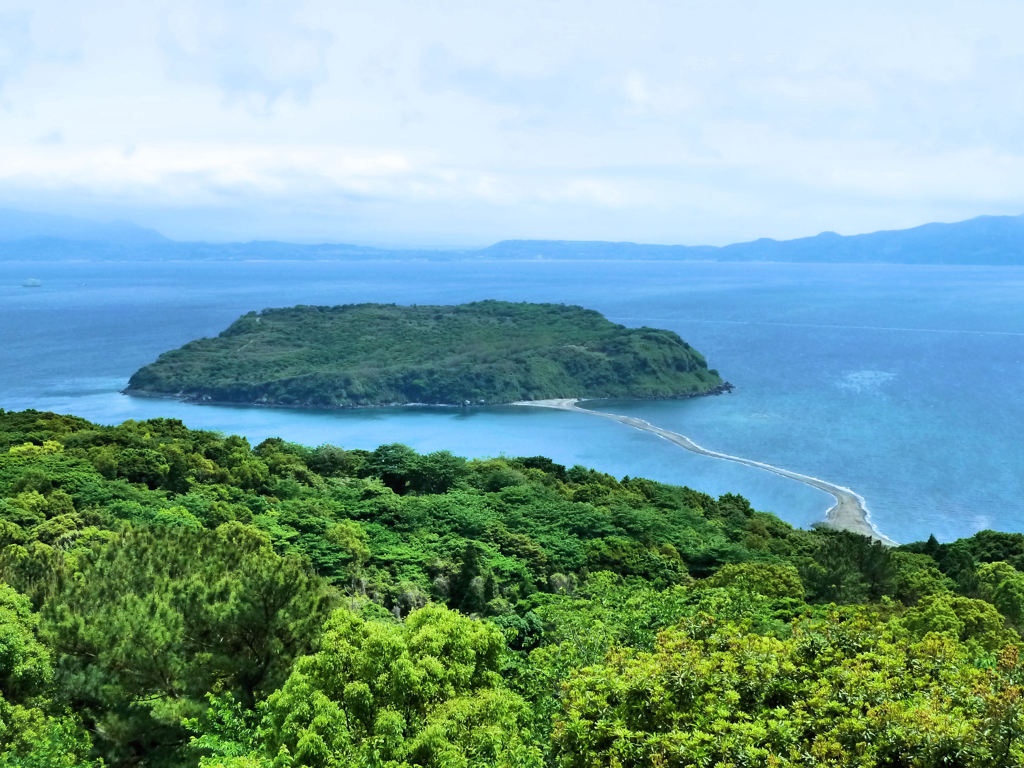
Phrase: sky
[462,123]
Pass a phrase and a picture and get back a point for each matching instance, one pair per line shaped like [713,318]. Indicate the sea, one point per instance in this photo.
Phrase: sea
[903,383]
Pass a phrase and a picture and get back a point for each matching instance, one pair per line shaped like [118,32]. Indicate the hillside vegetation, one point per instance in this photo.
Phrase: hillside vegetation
[379,354]
[171,597]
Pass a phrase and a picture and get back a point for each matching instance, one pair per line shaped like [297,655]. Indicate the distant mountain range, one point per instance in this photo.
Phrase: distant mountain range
[19,226]
[990,240]
[983,240]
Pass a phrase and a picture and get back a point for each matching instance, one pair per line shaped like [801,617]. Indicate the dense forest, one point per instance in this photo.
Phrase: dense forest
[381,354]
[171,597]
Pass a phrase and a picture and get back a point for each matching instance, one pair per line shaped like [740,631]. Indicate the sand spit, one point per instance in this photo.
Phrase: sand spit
[849,512]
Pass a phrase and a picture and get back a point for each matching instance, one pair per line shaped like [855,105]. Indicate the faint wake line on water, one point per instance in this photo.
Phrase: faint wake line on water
[829,325]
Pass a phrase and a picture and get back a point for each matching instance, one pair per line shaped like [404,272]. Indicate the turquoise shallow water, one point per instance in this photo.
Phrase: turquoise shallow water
[903,383]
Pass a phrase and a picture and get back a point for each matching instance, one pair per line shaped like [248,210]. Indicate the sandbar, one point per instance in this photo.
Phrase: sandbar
[849,513]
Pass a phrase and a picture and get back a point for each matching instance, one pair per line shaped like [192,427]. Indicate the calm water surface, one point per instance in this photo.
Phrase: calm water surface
[903,383]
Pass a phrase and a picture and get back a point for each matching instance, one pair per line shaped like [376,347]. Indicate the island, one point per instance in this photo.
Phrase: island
[482,353]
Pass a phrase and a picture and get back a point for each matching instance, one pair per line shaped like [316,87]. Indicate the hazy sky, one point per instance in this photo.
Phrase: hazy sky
[440,123]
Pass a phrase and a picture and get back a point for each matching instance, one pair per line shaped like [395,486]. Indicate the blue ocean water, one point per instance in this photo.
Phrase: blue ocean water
[901,382]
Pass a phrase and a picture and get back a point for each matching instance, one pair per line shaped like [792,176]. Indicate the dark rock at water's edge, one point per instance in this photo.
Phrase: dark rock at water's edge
[723,389]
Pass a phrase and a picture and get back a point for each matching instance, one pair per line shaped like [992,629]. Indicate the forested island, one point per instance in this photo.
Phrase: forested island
[486,352]
[172,598]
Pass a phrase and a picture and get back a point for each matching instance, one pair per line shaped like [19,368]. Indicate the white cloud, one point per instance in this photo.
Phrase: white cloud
[15,43]
[191,171]
[256,52]
[670,99]
[687,122]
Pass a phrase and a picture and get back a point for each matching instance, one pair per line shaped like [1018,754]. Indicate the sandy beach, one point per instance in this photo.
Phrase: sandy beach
[848,513]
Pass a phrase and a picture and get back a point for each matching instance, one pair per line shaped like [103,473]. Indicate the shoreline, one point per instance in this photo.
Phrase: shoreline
[849,513]
[719,389]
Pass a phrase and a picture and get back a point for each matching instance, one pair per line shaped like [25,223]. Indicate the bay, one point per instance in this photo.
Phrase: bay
[901,382]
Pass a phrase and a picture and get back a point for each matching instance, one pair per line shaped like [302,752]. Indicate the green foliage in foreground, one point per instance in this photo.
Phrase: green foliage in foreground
[171,597]
[372,354]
